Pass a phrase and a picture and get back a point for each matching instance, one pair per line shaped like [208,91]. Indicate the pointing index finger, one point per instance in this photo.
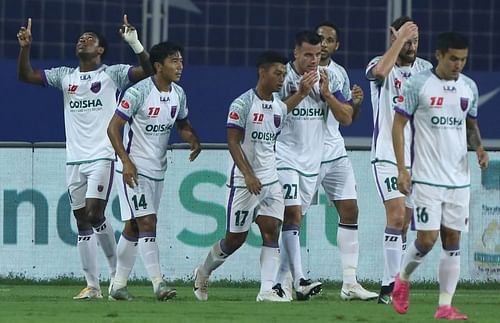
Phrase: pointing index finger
[29,25]
[125,20]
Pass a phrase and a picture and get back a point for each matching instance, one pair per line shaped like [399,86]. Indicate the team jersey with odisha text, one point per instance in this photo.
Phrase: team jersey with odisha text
[89,102]
[151,114]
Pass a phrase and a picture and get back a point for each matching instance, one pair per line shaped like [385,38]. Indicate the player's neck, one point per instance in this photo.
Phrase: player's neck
[89,65]
[325,62]
[263,94]
[162,84]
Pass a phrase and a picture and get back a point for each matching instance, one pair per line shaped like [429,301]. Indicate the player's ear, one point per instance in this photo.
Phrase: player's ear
[438,54]
[100,50]
[157,66]
[337,46]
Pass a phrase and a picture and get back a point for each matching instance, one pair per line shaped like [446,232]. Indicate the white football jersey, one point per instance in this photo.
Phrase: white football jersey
[89,102]
[385,95]
[151,114]
[300,144]
[334,143]
[439,109]
[261,122]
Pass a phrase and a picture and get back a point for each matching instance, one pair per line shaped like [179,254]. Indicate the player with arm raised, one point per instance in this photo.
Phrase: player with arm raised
[442,104]
[139,131]
[387,74]
[89,93]
[336,174]
[255,119]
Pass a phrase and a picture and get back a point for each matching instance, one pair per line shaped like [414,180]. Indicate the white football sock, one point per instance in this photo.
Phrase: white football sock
[347,241]
[126,251]
[87,249]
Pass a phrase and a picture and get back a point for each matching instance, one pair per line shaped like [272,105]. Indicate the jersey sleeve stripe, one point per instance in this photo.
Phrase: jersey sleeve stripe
[403,112]
[44,78]
[122,115]
[129,74]
[338,95]
[470,116]
[232,125]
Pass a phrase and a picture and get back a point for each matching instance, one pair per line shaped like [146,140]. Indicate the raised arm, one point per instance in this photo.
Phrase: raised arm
[398,142]
[234,138]
[408,31]
[115,136]
[187,133]
[129,34]
[474,141]
[25,72]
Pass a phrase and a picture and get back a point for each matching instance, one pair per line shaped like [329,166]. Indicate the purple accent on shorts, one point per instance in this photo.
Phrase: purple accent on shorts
[378,184]
[130,137]
[395,232]
[223,247]
[290,227]
[270,244]
[147,235]
[85,232]
[412,143]
[122,115]
[230,203]
[131,239]
[44,78]
[412,221]
[348,226]
[420,249]
[110,184]
[132,216]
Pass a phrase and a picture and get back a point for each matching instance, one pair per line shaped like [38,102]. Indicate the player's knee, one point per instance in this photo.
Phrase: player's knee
[147,223]
[270,236]
[426,240]
[349,214]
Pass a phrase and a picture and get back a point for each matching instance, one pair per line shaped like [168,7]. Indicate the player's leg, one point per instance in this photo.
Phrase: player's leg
[428,217]
[340,187]
[240,208]
[87,242]
[385,176]
[455,220]
[100,178]
[270,217]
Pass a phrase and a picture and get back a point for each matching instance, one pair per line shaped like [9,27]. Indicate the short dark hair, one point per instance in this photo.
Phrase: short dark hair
[307,36]
[396,24]
[160,51]
[331,25]
[451,39]
[102,41]
[268,58]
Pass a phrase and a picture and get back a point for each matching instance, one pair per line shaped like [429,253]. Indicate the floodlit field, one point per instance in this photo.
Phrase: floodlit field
[53,303]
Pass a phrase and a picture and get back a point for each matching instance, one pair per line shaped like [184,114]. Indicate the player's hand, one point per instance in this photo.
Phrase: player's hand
[253,184]
[404,182]
[324,84]
[482,158]
[129,34]
[307,82]
[195,150]
[408,31]
[357,95]
[24,35]
[130,174]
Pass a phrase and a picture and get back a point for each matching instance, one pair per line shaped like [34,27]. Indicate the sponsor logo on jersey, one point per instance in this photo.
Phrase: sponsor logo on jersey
[72,88]
[311,112]
[124,104]
[173,110]
[464,103]
[449,88]
[397,84]
[164,99]
[82,104]
[277,120]
[398,99]
[100,188]
[95,87]
[158,128]
[267,106]
[446,121]
[264,136]
[406,74]
[84,77]
[234,115]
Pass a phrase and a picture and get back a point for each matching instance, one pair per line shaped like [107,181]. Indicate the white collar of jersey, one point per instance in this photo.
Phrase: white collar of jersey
[257,95]
[98,68]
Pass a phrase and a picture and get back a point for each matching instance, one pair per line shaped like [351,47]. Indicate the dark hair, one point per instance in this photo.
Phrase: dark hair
[268,58]
[160,51]
[396,24]
[101,41]
[307,36]
[331,25]
[451,39]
